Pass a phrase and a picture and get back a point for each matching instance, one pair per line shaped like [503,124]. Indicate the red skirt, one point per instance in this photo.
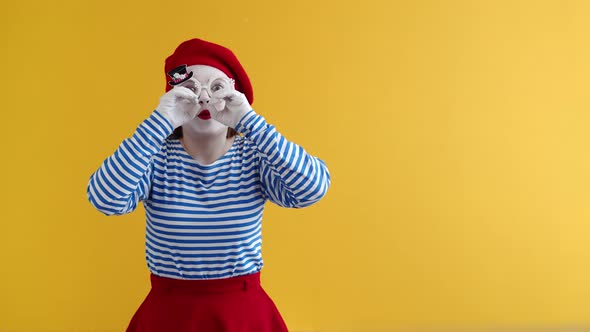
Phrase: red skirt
[236,304]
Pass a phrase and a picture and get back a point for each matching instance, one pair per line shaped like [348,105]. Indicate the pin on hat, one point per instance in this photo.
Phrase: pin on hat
[179,75]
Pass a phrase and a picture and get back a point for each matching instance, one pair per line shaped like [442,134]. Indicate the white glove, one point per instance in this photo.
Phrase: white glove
[230,107]
[179,105]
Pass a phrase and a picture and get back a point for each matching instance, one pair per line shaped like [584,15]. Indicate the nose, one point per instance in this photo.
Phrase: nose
[204,97]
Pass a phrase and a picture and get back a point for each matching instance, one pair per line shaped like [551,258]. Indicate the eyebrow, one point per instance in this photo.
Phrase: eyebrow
[214,78]
[191,82]
[207,83]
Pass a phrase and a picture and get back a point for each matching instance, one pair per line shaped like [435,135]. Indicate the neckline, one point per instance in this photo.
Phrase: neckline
[214,163]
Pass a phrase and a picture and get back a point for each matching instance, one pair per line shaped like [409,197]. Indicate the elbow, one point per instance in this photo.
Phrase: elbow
[311,197]
[314,193]
[104,209]
[104,206]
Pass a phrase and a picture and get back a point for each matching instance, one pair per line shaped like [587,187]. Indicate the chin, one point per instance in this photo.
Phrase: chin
[206,127]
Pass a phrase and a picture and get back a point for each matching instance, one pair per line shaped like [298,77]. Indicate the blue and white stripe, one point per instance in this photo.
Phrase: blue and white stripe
[205,221]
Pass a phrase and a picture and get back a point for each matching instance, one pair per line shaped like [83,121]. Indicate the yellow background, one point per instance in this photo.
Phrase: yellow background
[456,133]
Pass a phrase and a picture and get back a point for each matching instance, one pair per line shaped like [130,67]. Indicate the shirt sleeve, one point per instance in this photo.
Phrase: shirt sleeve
[124,178]
[290,176]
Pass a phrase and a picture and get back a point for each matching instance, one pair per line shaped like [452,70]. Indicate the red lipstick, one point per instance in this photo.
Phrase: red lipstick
[204,115]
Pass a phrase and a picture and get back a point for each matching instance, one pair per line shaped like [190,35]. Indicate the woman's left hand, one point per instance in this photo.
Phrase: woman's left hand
[230,107]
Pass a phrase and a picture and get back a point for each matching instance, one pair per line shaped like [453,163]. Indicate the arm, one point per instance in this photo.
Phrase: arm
[290,176]
[124,178]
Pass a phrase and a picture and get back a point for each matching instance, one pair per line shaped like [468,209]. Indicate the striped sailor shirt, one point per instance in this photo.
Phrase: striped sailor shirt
[204,221]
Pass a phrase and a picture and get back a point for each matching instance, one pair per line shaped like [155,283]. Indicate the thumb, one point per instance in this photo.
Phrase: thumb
[219,105]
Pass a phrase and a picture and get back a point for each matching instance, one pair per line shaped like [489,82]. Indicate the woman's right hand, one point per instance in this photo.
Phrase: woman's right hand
[179,105]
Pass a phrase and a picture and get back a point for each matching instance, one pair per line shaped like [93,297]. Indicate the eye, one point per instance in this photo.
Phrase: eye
[192,85]
[219,84]
[217,87]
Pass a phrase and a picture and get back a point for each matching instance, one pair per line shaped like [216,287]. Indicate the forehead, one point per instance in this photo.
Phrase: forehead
[204,73]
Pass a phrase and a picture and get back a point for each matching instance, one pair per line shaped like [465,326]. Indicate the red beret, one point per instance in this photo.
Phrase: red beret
[199,52]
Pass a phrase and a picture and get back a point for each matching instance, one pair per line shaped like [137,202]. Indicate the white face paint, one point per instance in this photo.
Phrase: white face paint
[203,124]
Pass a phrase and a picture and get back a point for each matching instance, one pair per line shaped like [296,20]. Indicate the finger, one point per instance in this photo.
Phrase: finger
[219,105]
[239,97]
[226,95]
[215,114]
[191,82]
[183,92]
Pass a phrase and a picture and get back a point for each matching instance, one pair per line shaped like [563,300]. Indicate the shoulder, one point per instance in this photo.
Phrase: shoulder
[244,146]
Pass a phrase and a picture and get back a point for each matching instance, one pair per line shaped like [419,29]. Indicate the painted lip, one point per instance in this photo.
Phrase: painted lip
[204,115]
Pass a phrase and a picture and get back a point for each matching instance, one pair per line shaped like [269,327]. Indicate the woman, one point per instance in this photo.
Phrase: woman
[204,187]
